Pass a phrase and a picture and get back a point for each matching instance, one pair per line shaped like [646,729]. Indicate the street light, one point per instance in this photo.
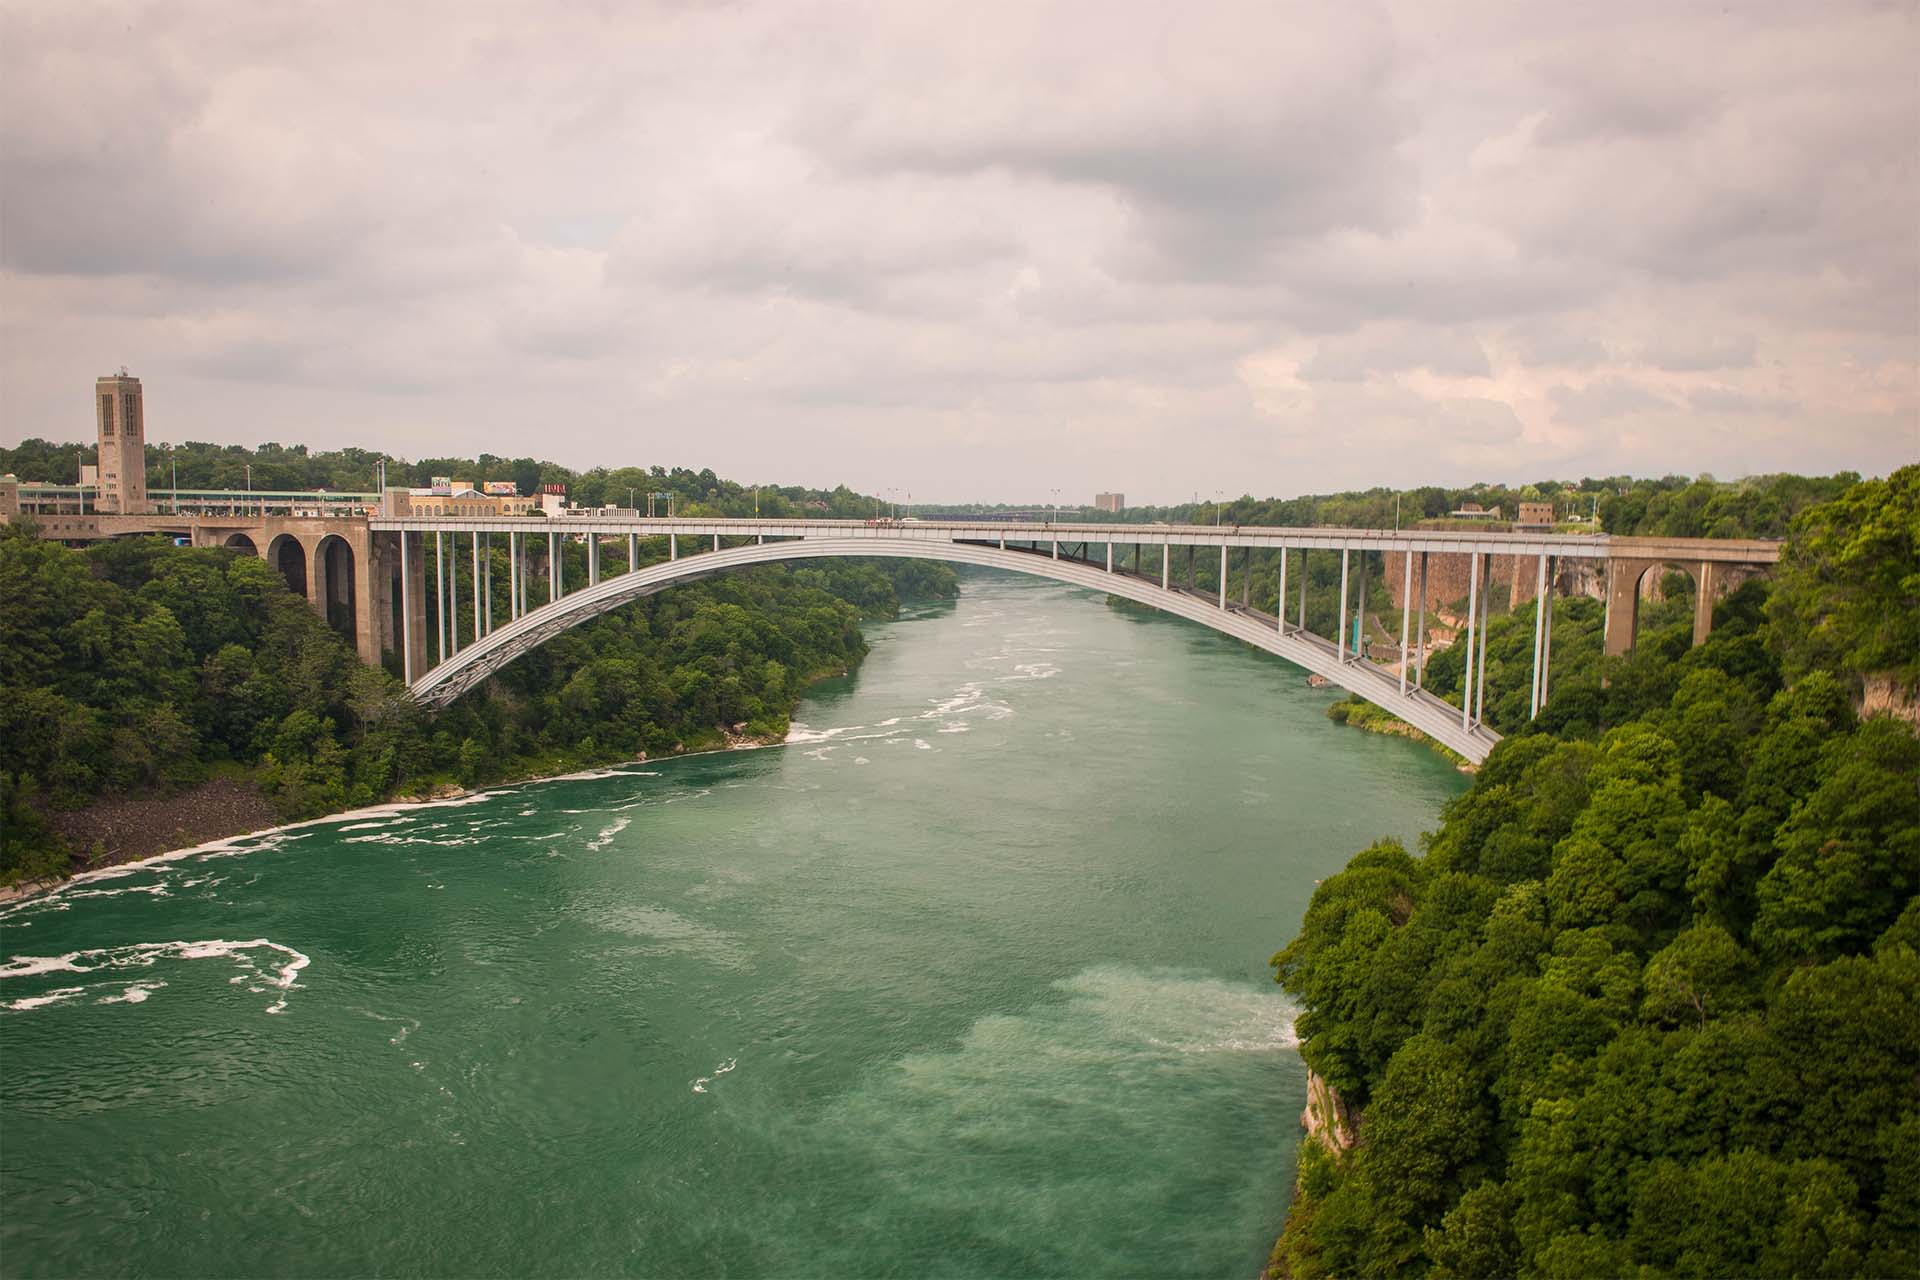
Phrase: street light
[1052,507]
[175,464]
[1217,495]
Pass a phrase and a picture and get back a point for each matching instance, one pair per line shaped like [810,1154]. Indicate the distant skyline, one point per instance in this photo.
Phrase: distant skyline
[978,253]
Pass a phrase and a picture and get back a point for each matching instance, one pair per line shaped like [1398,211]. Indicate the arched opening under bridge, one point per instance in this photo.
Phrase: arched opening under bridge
[289,559]
[333,560]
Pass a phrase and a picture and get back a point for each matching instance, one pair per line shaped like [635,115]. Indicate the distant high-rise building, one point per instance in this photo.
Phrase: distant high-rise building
[1109,501]
[122,424]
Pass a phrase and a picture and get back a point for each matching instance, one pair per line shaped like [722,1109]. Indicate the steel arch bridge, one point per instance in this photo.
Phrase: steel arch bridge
[1335,663]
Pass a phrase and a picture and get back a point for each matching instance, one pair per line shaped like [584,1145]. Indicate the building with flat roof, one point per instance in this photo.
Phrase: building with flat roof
[1109,501]
[122,424]
[1535,515]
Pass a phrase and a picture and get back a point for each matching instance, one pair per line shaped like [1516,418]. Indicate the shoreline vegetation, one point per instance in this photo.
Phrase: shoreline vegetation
[1648,1002]
[150,693]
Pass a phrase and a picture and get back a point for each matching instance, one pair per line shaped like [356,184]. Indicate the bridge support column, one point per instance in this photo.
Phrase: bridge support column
[1539,636]
[1343,605]
[1246,580]
[1473,614]
[453,597]
[406,609]
[1623,603]
[1360,613]
[1223,575]
[1420,637]
[1109,557]
[477,633]
[593,559]
[1056,548]
[368,608]
[487,560]
[1703,602]
[1546,647]
[316,574]
[1480,684]
[633,550]
[1280,597]
[513,575]
[673,546]
[440,594]
[1166,565]
[1406,616]
[716,542]
[1303,590]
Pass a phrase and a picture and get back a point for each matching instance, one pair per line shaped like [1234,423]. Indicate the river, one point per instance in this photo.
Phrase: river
[969,979]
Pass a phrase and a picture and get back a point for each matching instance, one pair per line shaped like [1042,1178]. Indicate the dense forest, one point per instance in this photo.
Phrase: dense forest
[1648,1003]
[135,666]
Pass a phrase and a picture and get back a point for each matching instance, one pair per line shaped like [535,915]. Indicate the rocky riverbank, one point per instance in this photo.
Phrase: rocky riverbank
[1331,1132]
[124,828]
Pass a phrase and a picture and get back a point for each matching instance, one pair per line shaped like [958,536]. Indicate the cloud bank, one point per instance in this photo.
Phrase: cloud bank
[978,252]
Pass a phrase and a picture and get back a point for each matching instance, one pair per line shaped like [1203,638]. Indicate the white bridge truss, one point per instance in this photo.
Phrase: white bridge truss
[1030,549]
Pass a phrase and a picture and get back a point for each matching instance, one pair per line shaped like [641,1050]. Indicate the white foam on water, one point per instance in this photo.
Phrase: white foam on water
[607,833]
[135,993]
[55,996]
[146,954]
[157,890]
[861,760]
[700,1084]
[922,744]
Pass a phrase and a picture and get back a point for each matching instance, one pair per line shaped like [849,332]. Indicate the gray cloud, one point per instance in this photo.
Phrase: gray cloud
[978,252]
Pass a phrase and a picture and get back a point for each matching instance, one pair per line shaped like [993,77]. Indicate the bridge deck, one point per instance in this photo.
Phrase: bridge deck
[1453,541]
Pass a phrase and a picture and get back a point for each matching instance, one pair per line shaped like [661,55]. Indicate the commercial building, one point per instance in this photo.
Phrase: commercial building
[449,497]
[123,444]
[1109,501]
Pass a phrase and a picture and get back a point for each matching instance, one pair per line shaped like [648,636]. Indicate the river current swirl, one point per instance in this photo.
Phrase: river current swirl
[969,979]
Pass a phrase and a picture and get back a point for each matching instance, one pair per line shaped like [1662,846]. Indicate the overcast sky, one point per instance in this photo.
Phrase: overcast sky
[977,251]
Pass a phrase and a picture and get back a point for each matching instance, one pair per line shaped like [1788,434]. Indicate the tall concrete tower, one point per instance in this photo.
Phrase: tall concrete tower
[123,444]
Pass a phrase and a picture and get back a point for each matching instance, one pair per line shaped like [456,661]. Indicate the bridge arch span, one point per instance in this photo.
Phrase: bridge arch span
[475,663]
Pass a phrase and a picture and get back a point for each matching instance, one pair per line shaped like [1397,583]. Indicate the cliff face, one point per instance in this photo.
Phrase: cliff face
[1889,694]
[1327,1119]
[1332,1131]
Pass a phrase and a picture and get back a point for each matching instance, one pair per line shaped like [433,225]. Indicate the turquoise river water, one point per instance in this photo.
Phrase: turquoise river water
[969,979]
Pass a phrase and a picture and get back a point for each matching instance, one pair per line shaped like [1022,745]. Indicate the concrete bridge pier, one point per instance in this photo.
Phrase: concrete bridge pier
[1624,579]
